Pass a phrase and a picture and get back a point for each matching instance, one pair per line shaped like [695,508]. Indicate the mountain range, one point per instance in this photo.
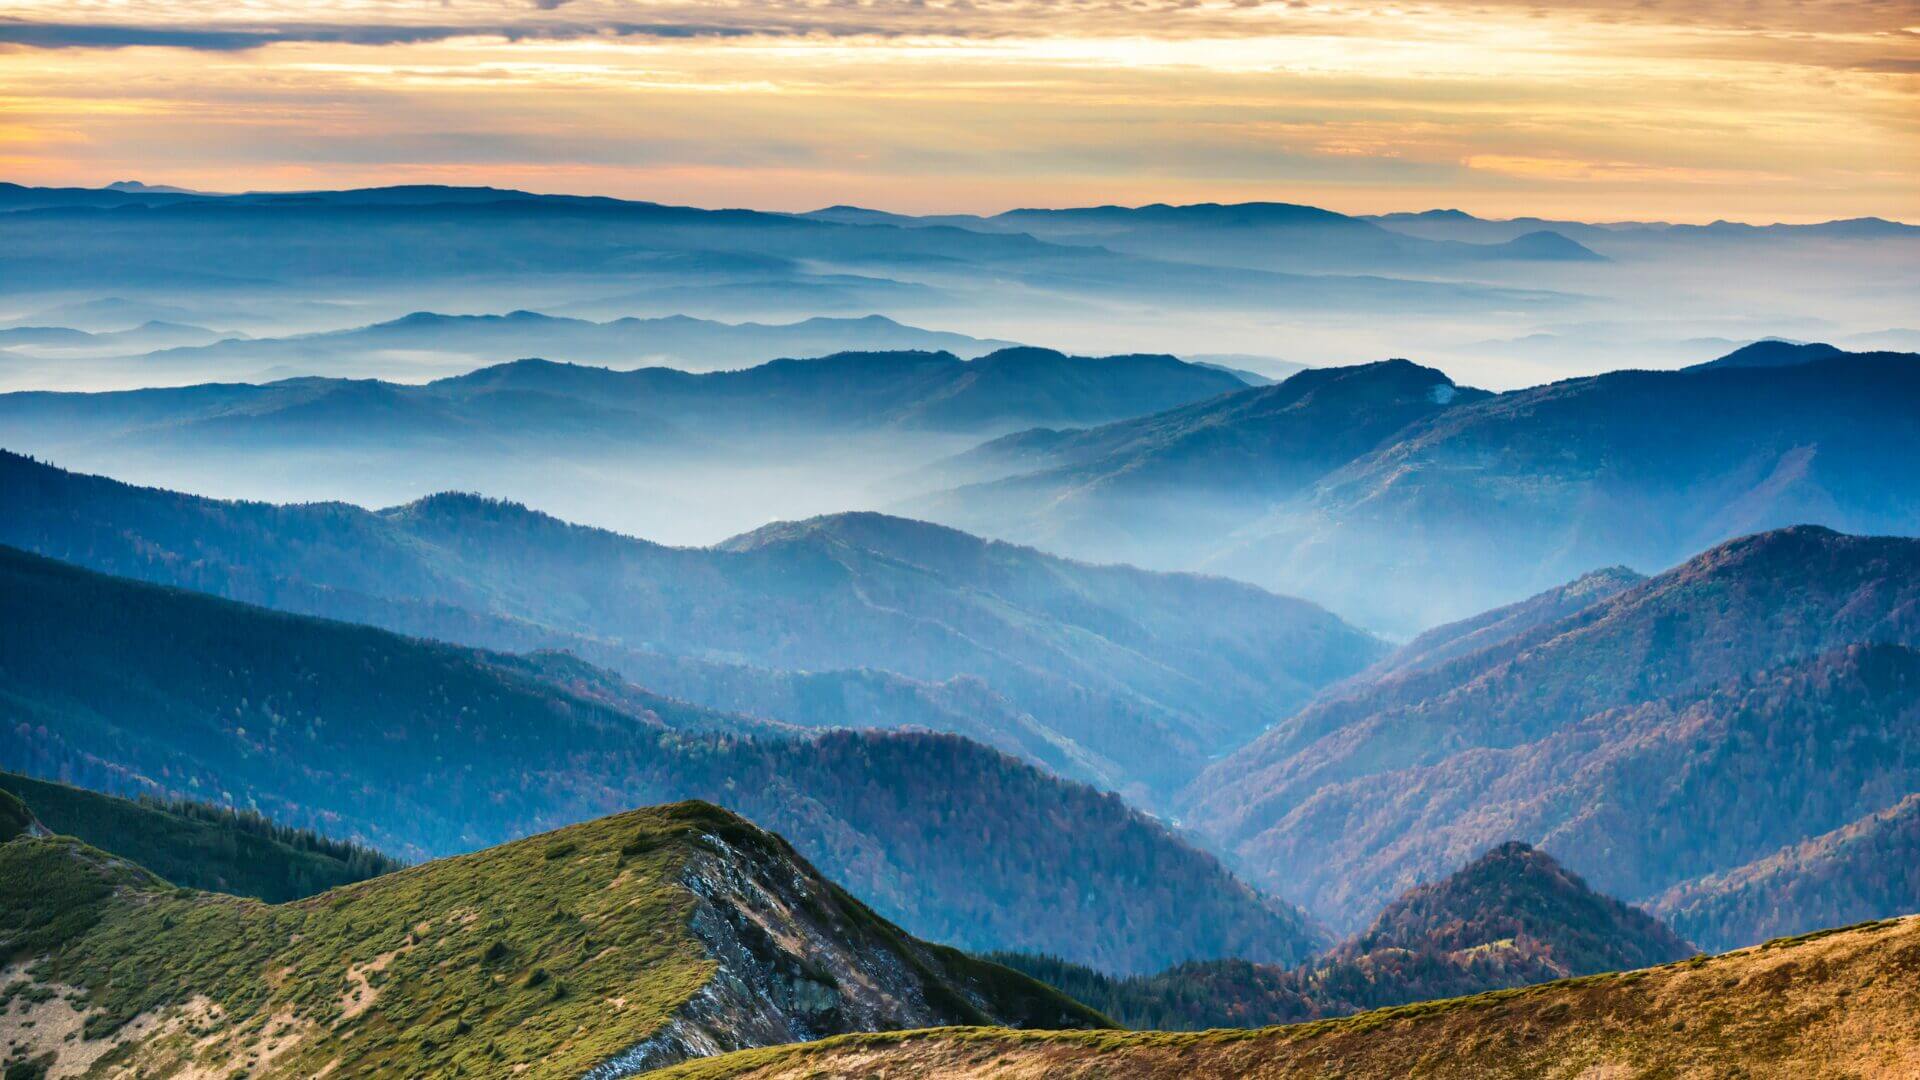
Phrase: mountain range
[688,457]
[429,749]
[1129,678]
[426,344]
[1265,235]
[1404,501]
[1752,698]
[531,398]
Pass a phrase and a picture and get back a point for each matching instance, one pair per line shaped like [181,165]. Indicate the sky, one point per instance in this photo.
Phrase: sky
[1685,110]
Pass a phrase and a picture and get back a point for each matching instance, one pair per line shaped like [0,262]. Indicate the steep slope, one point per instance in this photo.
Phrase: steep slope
[199,845]
[1480,505]
[1151,488]
[1856,872]
[1832,1004]
[427,749]
[1627,737]
[1134,678]
[602,949]
[1510,918]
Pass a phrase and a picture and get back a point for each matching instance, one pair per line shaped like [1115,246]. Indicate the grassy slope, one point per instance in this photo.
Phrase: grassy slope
[539,958]
[1835,1004]
[215,852]
[512,956]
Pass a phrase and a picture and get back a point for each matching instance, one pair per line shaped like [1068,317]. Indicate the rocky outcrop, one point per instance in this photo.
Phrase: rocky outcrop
[799,959]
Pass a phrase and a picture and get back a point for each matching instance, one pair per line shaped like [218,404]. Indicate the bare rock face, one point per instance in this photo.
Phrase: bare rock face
[799,959]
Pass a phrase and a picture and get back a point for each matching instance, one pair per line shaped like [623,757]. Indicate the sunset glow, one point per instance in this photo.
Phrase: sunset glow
[1687,111]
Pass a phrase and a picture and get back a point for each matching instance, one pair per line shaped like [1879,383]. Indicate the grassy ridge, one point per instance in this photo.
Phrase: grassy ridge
[1839,1003]
[543,956]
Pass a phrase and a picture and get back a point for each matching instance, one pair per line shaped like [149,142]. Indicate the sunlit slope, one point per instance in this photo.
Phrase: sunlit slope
[1837,1004]
[600,949]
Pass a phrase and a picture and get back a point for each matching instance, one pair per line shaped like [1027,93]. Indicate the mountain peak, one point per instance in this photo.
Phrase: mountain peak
[1772,352]
[1518,896]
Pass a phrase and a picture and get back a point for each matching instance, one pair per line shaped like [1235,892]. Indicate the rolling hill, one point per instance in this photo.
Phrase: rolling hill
[1834,1003]
[602,949]
[1118,676]
[1683,726]
[200,845]
[427,749]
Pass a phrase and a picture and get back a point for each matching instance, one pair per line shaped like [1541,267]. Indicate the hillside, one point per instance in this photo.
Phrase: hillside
[602,949]
[1489,628]
[1854,872]
[1154,489]
[425,749]
[1630,737]
[1120,677]
[1512,917]
[1835,1003]
[199,845]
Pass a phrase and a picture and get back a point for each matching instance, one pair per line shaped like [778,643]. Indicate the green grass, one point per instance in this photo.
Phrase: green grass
[552,953]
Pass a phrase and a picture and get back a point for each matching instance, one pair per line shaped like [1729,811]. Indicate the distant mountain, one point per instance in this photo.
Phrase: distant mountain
[1843,1012]
[1256,234]
[1772,353]
[1126,677]
[1510,918]
[1850,875]
[1516,493]
[1403,513]
[64,341]
[550,409]
[429,749]
[1458,225]
[1683,726]
[463,342]
[1151,489]
[201,845]
[426,239]
[599,950]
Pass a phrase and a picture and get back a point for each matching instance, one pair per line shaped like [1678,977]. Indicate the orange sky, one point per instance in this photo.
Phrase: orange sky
[1600,109]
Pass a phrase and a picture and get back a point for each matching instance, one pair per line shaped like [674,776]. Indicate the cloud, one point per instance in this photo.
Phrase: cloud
[231,38]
